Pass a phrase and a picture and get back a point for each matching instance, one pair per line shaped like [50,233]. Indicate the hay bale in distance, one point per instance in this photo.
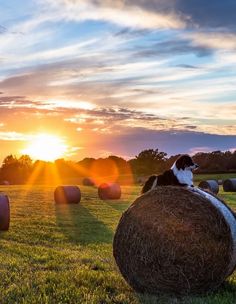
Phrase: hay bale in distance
[87,181]
[109,191]
[4,213]
[173,241]
[211,185]
[67,195]
[229,185]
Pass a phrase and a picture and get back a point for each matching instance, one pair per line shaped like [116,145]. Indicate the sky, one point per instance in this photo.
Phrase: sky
[117,77]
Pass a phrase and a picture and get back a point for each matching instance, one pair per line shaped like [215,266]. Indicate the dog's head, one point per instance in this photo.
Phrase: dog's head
[185,162]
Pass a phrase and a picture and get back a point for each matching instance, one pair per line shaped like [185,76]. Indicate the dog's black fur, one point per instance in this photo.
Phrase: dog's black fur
[170,177]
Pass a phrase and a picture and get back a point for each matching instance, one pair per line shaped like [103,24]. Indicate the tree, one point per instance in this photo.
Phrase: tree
[14,170]
[25,161]
[148,162]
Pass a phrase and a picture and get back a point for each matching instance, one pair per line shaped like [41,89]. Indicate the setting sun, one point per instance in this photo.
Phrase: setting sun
[46,147]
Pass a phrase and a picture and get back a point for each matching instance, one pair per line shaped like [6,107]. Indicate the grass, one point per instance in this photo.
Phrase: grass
[63,254]
[216,176]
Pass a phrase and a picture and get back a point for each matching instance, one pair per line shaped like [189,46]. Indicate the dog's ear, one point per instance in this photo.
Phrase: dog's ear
[180,163]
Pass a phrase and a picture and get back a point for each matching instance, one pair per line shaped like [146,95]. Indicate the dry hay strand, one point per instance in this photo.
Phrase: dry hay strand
[87,181]
[67,195]
[109,191]
[210,185]
[4,213]
[173,241]
[229,185]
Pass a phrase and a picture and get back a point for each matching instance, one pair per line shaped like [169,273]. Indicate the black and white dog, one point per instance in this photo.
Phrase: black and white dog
[180,174]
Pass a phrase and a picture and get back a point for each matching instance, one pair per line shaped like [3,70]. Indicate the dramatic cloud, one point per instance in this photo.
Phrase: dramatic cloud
[155,13]
[119,12]
[132,141]
[119,75]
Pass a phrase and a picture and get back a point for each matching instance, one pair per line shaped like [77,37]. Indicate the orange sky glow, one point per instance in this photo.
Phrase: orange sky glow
[95,78]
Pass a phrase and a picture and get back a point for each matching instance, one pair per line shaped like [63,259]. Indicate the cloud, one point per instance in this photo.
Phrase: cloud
[195,150]
[212,24]
[120,12]
[196,13]
[154,13]
[143,66]
[13,136]
[144,93]
[187,66]
[133,140]
[121,131]
[213,40]
[2,29]
[174,47]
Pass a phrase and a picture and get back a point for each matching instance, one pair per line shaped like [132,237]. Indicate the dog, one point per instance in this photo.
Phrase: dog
[180,174]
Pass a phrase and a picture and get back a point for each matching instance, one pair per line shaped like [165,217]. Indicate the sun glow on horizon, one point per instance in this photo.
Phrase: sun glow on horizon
[46,147]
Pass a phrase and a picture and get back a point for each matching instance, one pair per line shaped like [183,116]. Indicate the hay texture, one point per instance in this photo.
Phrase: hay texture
[4,213]
[229,185]
[210,185]
[87,181]
[174,241]
[67,195]
[109,191]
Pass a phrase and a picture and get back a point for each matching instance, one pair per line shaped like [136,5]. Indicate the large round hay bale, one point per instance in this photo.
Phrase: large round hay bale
[109,191]
[87,181]
[67,195]
[229,185]
[171,240]
[211,185]
[4,213]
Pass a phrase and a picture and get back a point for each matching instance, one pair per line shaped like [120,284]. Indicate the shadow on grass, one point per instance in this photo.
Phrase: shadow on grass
[117,205]
[226,293]
[3,236]
[80,226]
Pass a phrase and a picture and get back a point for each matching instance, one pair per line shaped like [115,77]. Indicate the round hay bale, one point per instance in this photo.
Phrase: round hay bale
[174,241]
[109,191]
[67,195]
[211,185]
[87,181]
[4,213]
[229,185]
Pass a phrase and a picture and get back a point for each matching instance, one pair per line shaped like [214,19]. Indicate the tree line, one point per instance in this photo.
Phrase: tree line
[22,170]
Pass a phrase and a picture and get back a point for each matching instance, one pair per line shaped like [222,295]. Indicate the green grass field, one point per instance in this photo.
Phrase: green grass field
[63,254]
[200,177]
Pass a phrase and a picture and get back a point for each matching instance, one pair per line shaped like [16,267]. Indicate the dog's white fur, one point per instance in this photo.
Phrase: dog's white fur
[184,176]
[154,184]
[180,174]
